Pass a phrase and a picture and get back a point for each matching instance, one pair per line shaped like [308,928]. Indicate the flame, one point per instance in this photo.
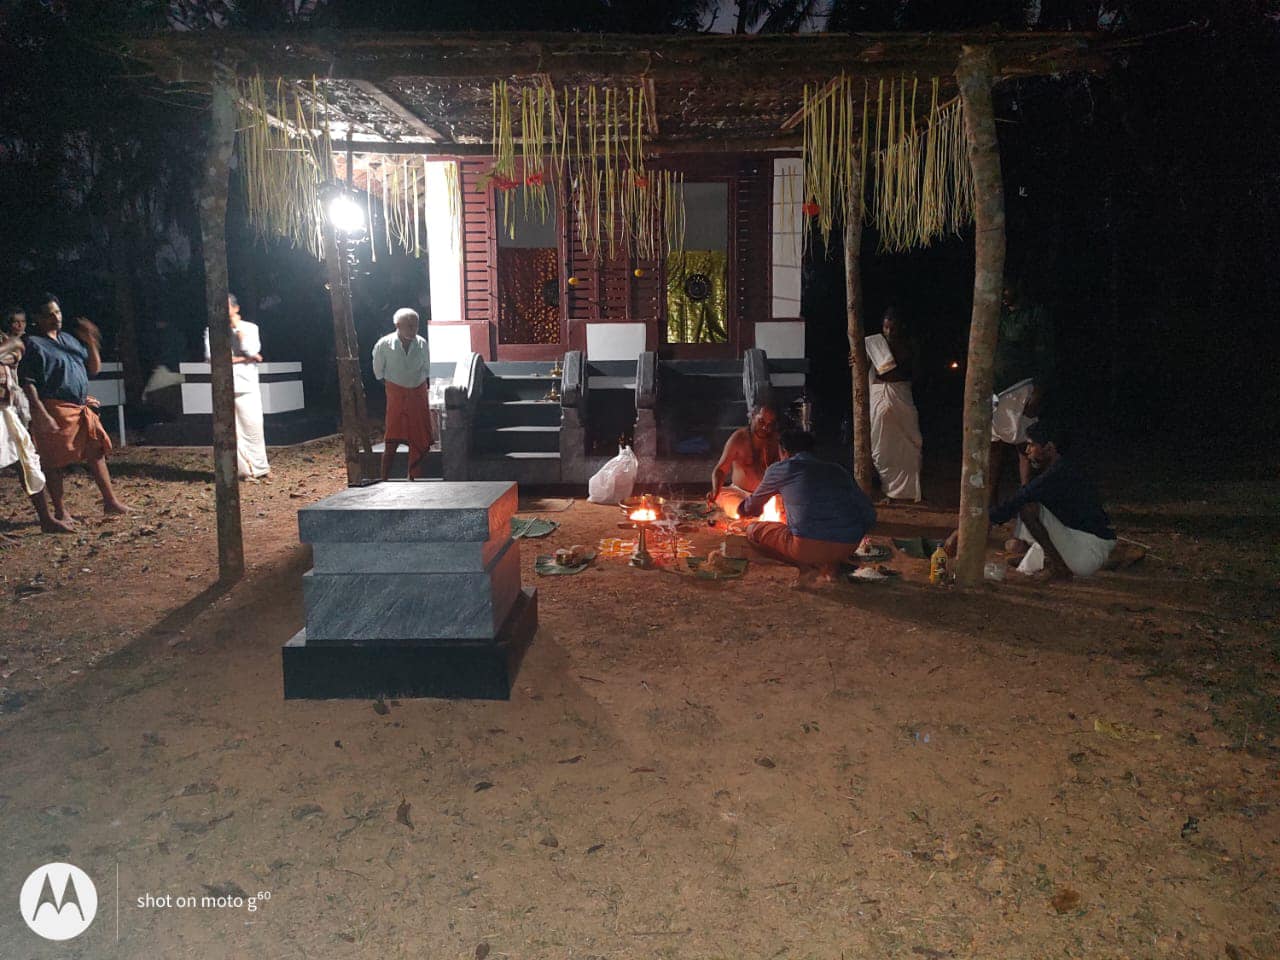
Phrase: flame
[772,510]
[644,515]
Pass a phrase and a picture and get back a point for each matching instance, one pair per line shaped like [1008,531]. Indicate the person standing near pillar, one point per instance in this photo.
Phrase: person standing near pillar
[402,361]
[1023,372]
[895,425]
[246,354]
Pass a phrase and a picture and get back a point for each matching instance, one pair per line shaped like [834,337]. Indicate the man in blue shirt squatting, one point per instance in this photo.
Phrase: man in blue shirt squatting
[827,515]
[1062,530]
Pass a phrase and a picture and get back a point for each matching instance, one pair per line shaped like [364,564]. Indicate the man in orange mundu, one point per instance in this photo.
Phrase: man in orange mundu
[402,360]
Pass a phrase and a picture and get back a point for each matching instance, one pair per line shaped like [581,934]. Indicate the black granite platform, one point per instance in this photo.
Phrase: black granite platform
[415,593]
[365,669]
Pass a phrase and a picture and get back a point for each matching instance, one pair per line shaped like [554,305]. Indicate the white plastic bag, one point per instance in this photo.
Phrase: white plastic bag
[1008,423]
[614,481]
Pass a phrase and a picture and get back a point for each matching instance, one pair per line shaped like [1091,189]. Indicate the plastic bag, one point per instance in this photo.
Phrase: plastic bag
[1008,423]
[614,481]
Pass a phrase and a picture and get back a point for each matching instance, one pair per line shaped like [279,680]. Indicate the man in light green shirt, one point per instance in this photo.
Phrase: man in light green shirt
[402,360]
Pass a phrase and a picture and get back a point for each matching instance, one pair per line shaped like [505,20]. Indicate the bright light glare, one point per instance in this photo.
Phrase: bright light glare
[346,215]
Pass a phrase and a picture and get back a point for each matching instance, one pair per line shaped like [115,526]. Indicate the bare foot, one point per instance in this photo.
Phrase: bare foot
[64,516]
[814,579]
[114,508]
[806,579]
[56,526]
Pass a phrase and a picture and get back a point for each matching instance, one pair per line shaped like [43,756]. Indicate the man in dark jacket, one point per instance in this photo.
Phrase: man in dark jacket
[1062,529]
[827,515]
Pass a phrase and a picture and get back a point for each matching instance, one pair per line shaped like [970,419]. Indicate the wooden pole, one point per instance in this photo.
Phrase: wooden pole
[863,468]
[974,73]
[213,237]
[350,388]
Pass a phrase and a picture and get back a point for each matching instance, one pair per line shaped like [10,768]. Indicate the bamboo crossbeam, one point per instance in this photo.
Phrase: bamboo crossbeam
[765,60]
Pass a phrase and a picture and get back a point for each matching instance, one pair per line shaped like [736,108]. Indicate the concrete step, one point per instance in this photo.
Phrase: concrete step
[518,439]
[515,413]
[517,389]
[527,469]
[371,463]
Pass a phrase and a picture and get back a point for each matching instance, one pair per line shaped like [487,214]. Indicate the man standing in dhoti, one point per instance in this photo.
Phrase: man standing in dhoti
[402,360]
[246,354]
[55,372]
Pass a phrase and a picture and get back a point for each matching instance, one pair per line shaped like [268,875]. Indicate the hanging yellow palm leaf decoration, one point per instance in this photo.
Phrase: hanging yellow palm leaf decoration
[593,139]
[286,154]
[914,176]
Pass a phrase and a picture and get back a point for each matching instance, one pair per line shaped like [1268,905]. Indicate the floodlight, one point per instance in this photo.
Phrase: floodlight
[346,215]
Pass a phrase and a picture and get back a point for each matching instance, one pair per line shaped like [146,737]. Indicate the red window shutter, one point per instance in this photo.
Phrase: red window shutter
[478,239]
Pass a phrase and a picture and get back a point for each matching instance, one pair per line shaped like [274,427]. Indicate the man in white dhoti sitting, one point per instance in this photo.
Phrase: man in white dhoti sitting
[1062,529]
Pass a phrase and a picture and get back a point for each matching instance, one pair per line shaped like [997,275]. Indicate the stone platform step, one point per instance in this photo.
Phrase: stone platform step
[523,438]
[371,464]
[366,669]
[538,468]
[518,413]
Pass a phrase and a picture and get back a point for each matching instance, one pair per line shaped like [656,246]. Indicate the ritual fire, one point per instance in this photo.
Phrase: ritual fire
[772,511]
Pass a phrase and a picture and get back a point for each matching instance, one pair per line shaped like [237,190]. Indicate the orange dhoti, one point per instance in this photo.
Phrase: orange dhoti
[79,436]
[409,421]
[776,540]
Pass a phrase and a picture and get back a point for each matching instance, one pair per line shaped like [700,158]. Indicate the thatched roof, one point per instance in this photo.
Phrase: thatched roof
[709,91]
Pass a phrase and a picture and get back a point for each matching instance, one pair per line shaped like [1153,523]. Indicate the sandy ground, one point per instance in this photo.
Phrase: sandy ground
[732,770]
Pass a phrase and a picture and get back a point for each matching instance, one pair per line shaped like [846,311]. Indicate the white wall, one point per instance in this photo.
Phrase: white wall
[781,340]
[449,342]
[788,235]
[444,246]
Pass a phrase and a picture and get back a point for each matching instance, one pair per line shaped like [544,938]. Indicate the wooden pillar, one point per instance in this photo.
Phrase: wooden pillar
[345,349]
[213,238]
[974,74]
[863,468]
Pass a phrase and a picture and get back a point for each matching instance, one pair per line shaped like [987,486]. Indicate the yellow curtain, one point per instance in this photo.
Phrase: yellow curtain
[697,297]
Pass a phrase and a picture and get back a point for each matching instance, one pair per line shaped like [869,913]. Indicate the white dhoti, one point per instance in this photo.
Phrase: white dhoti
[1083,553]
[895,439]
[1008,422]
[16,447]
[251,446]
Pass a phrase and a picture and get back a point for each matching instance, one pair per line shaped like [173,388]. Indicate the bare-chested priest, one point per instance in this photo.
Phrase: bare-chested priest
[747,454]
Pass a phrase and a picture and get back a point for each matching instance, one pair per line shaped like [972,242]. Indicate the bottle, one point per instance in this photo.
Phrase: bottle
[938,566]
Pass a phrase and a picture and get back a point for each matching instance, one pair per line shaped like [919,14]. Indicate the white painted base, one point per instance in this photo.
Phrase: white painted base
[280,396]
[449,342]
[615,341]
[781,339]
